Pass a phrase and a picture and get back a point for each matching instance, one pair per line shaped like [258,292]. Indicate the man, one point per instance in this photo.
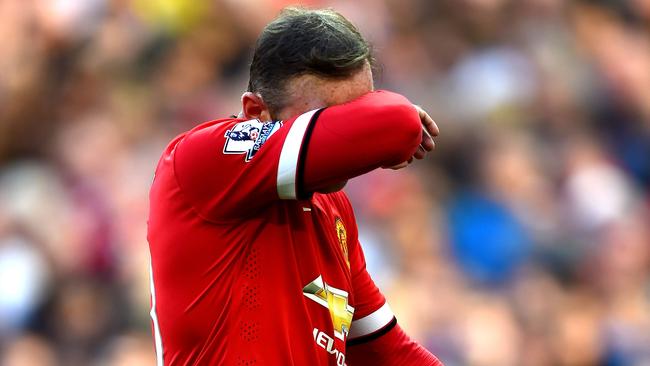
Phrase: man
[254,247]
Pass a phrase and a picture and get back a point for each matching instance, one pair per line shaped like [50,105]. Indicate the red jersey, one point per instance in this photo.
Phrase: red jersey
[249,266]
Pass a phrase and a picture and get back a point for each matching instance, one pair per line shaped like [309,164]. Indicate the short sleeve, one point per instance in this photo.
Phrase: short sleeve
[232,168]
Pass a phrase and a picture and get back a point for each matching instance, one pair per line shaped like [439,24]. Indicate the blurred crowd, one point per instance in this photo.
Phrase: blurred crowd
[523,240]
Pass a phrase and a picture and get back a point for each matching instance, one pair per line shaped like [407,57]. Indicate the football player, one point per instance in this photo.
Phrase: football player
[255,257]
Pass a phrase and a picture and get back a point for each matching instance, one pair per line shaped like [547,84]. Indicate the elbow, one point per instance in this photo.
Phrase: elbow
[407,135]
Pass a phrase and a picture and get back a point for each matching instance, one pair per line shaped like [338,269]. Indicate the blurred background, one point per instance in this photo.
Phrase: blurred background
[523,240]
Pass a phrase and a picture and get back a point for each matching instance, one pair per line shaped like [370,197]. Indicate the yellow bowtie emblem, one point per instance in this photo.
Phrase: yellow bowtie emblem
[336,301]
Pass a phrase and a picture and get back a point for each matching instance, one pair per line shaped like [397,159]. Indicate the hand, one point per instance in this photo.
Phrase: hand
[429,130]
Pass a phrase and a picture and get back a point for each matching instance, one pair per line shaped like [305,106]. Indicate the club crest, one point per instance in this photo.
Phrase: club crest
[342,235]
[248,137]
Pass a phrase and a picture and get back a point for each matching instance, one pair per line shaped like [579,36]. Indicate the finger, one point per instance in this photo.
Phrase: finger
[427,141]
[420,153]
[401,165]
[430,125]
[432,128]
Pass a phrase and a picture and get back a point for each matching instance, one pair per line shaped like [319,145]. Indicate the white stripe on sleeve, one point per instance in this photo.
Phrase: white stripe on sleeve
[154,318]
[371,323]
[289,156]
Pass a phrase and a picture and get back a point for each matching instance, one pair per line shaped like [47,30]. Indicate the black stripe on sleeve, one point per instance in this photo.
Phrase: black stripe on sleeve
[374,335]
[302,157]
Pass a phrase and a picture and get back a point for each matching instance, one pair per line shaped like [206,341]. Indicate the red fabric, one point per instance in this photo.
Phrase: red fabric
[394,348]
[230,260]
[378,129]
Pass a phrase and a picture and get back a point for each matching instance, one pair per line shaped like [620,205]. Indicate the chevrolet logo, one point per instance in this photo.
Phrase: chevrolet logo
[336,301]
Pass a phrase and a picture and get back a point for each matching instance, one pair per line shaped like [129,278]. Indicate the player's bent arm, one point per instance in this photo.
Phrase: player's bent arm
[231,169]
[390,346]
[378,129]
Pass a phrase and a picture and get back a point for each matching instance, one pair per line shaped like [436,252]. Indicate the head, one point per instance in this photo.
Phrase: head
[306,59]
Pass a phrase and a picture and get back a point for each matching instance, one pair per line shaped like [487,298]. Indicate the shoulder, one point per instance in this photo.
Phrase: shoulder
[233,136]
[343,200]
[340,205]
[205,126]
[337,199]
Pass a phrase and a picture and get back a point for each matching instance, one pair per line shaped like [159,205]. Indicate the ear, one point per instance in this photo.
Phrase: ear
[253,106]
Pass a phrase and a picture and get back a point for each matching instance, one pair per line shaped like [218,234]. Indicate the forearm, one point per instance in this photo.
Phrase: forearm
[394,348]
[378,129]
